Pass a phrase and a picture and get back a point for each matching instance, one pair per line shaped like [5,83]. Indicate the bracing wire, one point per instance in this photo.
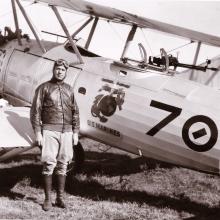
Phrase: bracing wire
[119,36]
[71,12]
[115,31]
[181,46]
[11,11]
[146,41]
[6,13]
[57,31]
[73,24]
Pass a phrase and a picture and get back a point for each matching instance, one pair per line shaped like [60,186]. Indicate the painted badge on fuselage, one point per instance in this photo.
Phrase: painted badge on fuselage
[107,101]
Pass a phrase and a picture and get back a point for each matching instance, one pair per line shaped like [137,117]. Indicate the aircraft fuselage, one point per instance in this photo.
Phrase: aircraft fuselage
[141,111]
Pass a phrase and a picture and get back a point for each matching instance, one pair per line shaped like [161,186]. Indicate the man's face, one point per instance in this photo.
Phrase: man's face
[59,73]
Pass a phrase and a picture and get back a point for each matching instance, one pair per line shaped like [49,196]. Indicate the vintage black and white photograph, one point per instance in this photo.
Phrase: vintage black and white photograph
[109,109]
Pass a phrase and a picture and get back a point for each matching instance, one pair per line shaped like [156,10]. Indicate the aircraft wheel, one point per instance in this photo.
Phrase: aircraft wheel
[78,159]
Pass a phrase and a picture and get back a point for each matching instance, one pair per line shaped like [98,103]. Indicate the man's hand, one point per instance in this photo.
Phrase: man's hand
[39,139]
[75,138]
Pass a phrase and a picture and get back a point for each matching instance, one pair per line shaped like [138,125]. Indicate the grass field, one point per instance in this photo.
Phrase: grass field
[112,185]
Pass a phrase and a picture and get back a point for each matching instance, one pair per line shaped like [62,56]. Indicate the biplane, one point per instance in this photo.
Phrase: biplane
[139,106]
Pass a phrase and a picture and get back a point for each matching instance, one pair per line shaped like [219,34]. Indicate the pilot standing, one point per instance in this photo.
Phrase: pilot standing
[55,120]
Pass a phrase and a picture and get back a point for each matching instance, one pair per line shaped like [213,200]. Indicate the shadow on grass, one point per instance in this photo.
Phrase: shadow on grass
[109,164]
[112,164]
[91,189]
[11,176]
[103,163]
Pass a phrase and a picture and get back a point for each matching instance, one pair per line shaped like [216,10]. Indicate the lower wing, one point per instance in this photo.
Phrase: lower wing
[16,133]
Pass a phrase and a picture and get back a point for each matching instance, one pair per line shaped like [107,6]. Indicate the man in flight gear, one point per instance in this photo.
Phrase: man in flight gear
[55,120]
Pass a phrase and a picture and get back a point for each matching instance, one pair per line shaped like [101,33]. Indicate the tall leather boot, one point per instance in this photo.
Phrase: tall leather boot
[47,190]
[61,180]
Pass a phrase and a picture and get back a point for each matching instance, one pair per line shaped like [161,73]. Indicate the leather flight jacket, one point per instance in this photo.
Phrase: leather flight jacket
[54,108]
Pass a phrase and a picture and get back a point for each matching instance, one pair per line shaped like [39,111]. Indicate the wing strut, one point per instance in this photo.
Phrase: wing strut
[129,39]
[91,33]
[80,28]
[195,59]
[16,22]
[67,34]
[31,26]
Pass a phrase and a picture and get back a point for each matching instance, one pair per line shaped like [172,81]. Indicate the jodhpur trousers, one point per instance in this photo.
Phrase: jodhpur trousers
[57,152]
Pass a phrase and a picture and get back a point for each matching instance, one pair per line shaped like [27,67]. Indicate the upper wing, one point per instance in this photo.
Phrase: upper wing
[127,18]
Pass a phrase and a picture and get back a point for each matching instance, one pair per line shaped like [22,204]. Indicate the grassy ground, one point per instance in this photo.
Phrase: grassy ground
[112,185]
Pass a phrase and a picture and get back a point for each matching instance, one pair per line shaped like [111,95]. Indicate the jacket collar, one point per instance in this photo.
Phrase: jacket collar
[53,80]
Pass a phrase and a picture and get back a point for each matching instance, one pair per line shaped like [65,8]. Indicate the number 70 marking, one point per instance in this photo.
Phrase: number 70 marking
[174,113]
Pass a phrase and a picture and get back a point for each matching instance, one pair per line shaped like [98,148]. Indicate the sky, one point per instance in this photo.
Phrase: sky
[109,38]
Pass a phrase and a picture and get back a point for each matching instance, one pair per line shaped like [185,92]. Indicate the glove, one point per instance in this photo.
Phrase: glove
[75,138]
[39,139]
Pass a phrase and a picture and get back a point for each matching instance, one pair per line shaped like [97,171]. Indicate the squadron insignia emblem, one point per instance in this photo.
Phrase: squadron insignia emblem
[107,101]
